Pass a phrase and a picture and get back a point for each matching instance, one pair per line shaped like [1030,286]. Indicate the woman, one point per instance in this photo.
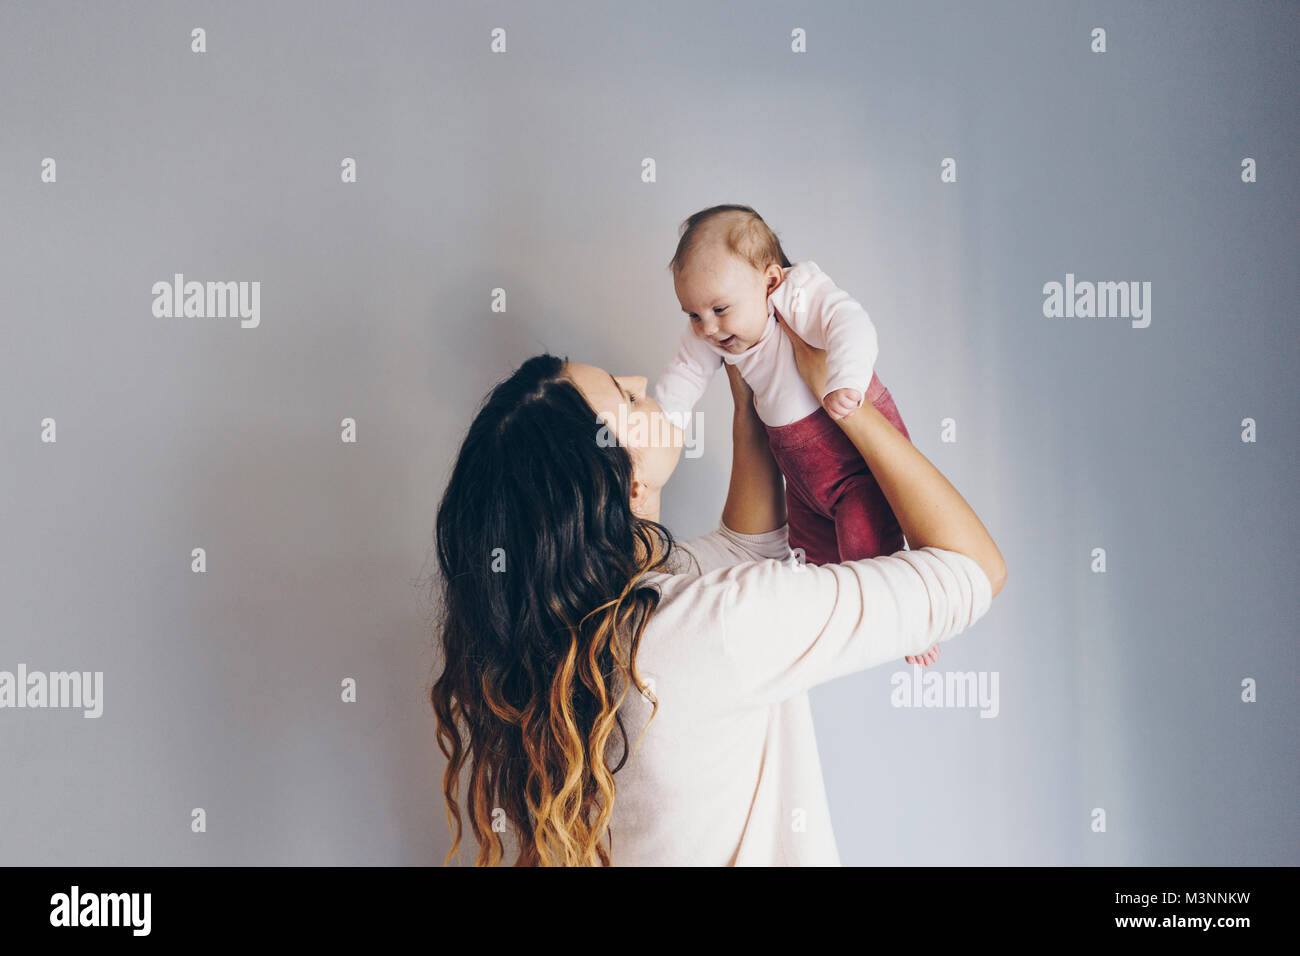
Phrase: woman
[580,641]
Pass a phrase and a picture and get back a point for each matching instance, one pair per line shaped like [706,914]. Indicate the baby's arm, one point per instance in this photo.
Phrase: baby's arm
[684,380]
[826,316]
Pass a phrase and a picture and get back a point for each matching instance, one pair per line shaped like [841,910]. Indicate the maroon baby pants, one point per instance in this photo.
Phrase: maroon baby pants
[837,511]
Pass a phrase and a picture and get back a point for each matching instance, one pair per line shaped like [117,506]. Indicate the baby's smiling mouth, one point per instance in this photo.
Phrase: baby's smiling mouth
[723,343]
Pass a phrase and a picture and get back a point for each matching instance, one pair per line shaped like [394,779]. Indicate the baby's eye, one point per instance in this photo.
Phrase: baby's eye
[722,309]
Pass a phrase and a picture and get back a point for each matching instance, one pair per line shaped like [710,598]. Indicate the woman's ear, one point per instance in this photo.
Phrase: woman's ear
[638,496]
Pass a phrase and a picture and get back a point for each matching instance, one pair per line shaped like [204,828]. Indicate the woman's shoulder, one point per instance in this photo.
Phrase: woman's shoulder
[724,548]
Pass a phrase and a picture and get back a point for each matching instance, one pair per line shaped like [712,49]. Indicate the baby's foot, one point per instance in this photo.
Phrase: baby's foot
[926,659]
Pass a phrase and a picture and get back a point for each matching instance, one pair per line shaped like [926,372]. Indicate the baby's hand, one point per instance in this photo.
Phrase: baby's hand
[926,659]
[842,402]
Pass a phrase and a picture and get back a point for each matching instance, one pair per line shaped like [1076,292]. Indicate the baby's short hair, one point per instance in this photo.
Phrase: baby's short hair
[741,231]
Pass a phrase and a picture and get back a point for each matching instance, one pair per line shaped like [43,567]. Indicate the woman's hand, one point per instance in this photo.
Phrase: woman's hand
[741,393]
[810,361]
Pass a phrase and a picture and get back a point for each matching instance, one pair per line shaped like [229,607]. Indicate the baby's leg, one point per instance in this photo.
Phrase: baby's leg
[795,449]
[865,523]
[812,533]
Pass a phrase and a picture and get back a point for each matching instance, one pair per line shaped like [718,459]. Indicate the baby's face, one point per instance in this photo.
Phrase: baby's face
[725,298]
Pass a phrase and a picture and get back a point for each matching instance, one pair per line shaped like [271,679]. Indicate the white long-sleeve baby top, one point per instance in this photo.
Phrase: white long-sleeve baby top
[822,314]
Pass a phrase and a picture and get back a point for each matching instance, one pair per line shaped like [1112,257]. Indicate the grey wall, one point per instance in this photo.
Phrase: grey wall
[1118,690]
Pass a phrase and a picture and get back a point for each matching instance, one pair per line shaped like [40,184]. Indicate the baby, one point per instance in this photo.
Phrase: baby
[732,278]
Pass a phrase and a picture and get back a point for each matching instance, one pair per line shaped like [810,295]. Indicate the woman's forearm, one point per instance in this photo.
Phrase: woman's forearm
[756,496]
[929,509]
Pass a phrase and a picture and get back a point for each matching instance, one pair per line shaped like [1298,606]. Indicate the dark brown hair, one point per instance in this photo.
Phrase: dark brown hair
[544,602]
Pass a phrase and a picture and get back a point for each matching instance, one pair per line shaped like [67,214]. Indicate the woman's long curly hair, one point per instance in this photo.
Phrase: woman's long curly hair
[540,556]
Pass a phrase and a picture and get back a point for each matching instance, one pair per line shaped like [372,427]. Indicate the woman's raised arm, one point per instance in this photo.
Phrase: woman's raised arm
[756,496]
[929,509]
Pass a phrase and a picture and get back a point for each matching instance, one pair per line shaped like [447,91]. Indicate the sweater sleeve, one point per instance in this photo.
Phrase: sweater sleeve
[826,316]
[684,380]
[788,627]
